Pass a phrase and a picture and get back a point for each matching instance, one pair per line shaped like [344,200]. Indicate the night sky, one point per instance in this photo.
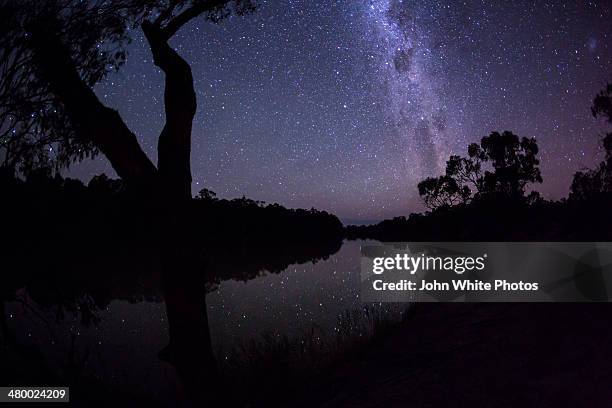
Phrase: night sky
[346,106]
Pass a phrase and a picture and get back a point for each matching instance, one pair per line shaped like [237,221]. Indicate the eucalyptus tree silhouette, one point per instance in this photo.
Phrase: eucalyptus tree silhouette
[55,51]
[602,104]
[589,184]
[502,165]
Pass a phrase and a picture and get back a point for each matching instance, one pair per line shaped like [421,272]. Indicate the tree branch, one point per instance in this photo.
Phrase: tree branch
[189,14]
[92,120]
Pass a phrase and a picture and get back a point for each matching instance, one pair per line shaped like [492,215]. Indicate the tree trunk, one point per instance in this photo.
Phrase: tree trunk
[174,145]
[190,348]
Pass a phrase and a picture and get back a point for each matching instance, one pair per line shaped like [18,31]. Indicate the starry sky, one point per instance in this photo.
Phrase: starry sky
[346,105]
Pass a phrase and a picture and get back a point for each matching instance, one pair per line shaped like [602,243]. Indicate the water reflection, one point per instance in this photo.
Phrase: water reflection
[133,329]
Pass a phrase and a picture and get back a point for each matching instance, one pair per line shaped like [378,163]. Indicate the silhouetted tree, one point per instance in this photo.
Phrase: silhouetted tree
[533,198]
[602,104]
[206,194]
[467,171]
[514,162]
[501,165]
[52,54]
[443,191]
[589,184]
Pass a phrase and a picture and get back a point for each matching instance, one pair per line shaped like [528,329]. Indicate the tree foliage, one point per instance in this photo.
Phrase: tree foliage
[443,191]
[514,162]
[602,104]
[41,122]
[207,195]
[592,183]
[501,165]
[35,128]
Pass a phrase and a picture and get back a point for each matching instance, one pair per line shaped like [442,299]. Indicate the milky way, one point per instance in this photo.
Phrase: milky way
[346,105]
[413,104]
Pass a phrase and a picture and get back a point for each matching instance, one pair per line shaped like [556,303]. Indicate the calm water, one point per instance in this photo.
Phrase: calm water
[119,343]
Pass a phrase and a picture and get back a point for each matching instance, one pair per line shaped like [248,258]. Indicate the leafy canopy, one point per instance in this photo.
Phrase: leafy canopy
[501,165]
[592,183]
[35,130]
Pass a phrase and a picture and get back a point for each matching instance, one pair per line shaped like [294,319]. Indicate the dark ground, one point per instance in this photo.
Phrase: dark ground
[481,355]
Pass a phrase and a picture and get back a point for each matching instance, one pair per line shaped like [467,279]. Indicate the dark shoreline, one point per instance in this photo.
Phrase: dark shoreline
[462,354]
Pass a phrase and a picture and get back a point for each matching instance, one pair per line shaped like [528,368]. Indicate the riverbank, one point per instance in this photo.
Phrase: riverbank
[502,355]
